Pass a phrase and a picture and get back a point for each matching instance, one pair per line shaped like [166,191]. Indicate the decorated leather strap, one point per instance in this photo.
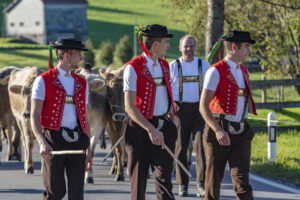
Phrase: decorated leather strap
[183,79]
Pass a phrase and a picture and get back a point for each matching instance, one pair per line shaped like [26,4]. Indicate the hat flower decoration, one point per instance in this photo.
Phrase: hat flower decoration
[139,30]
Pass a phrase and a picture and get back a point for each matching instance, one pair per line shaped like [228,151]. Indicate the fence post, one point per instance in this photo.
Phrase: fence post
[272,136]
[264,90]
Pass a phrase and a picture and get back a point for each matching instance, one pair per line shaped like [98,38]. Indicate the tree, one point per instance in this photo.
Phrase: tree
[106,53]
[123,50]
[275,27]
[191,13]
[89,56]
[214,25]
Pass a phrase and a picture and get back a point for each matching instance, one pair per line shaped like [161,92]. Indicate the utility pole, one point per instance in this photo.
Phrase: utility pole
[134,36]
[3,22]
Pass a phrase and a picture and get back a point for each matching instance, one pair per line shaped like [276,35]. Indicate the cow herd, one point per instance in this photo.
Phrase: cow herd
[105,110]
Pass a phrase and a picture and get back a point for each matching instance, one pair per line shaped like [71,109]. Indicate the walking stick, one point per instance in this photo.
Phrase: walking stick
[178,161]
[112,149]
[65,152]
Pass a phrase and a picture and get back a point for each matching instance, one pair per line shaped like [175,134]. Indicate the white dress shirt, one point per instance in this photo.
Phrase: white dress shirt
[161,102]
[190,91]
[69,118]
[211,82]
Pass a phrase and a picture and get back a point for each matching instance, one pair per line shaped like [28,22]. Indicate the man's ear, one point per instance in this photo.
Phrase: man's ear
[66,55]
[233,47]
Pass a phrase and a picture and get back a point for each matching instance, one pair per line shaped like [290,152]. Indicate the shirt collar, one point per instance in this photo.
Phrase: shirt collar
[61,71]
[231,64]
[150,62]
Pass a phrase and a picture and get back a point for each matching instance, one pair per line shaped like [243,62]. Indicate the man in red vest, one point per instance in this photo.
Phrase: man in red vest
[225,103]
[59,122]
[148,96]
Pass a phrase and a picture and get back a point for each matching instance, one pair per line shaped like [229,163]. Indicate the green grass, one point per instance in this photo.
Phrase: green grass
[286,165]
[286,117]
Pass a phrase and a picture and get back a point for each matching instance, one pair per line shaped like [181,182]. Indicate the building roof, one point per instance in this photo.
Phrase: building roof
[11,6]
[16,2]
[65,1]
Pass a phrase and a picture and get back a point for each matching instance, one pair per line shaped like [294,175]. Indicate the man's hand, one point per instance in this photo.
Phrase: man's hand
[222,137]
[45,150]
[156,137]
[88,160]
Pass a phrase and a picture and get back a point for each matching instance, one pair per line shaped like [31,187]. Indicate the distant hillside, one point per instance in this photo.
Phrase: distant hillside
[110,20]
[107,20]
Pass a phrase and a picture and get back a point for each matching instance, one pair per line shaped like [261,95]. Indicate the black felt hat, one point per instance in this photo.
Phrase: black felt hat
[238,36]
[69,43]
[156,30]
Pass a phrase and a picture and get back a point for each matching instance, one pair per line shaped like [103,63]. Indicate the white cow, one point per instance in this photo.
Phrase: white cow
[19,89]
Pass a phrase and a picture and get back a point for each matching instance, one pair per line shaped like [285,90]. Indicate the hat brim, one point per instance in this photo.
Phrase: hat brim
[157,35]
[69,47]
[231,39]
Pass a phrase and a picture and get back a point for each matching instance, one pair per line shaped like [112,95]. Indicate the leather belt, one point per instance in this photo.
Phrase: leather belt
[69,99]
[159,81]
[234,128]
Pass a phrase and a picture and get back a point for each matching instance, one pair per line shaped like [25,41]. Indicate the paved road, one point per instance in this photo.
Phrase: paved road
[15,185]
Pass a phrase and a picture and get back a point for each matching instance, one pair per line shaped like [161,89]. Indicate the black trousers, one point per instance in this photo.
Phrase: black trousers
[191,123]
[53,169]
[142,154]
[238,157]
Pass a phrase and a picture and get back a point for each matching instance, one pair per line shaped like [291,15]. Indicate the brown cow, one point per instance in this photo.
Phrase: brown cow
[96,111]
[106,110]
[19,89]
[117,117]
[7,120]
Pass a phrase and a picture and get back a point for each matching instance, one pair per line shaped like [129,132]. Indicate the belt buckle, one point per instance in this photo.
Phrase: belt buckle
[231,129]
[69,99]
[67,137]
[242,92]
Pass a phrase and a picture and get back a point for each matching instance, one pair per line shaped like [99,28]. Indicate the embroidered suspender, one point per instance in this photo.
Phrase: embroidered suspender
[183,79]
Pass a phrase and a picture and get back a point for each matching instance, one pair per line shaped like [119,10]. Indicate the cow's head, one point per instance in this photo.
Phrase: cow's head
[24,91]
[114,84]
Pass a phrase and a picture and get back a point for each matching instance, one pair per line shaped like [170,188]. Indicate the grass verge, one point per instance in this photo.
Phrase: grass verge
[286,165]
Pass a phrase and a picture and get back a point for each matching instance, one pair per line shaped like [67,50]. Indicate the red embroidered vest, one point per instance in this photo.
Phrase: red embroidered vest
[146,87]
[55,96]
[225,98]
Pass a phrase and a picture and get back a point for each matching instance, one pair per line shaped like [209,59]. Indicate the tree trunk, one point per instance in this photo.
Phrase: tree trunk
[214,26]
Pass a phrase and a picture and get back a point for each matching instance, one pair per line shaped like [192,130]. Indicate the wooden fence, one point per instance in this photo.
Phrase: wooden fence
[264,84]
